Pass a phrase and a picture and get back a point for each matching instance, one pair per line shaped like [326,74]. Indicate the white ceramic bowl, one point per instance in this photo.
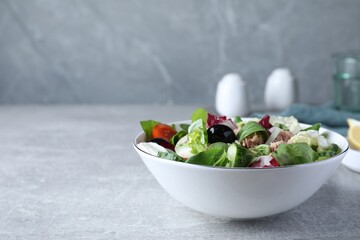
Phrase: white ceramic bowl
[242,193]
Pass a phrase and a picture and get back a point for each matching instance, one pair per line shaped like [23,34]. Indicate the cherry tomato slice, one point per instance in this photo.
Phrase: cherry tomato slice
[163,131]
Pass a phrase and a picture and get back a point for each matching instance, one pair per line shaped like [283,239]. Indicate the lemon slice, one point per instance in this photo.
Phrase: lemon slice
[354,133]
[353,122]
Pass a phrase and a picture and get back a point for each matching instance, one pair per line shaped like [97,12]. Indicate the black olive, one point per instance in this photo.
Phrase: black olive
[220,133]
[163,142]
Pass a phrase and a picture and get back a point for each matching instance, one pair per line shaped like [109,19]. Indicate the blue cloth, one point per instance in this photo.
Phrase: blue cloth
[326,114]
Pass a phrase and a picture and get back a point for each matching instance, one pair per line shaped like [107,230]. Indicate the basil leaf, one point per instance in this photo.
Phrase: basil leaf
[237,119]
[199,113]
[281,126]
[313,127]
[177,137]
[250,128]
[147,126]
[294,153]
[185,127]
[223,160]
[208,157]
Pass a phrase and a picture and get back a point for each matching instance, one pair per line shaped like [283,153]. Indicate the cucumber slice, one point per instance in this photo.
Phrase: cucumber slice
[231,154]
[238,156]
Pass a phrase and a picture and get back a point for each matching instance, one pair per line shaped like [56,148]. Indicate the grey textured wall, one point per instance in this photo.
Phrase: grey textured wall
[167,51]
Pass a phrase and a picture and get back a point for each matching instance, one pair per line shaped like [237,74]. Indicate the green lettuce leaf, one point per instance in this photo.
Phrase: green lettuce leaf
[194,142]
[197,141]
[295,153]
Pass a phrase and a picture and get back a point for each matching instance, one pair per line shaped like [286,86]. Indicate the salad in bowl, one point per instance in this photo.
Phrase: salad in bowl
[218,141]
[240,168]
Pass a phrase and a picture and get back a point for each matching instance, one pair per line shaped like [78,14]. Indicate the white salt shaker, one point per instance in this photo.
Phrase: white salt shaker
[280,90]
[231,96]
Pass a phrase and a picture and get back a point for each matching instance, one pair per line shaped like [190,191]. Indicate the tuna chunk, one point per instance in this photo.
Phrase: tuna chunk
[252,141]
[284,136]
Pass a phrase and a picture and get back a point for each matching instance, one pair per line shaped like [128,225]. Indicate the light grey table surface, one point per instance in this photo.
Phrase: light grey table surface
[70,172]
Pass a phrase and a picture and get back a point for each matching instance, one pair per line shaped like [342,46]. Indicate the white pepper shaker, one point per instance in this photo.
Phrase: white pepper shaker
[231,96]
[280,90]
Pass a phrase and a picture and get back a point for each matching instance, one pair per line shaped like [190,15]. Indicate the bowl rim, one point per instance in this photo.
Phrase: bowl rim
[166,161]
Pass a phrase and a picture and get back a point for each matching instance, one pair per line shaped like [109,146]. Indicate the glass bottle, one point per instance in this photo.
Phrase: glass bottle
[346,81]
